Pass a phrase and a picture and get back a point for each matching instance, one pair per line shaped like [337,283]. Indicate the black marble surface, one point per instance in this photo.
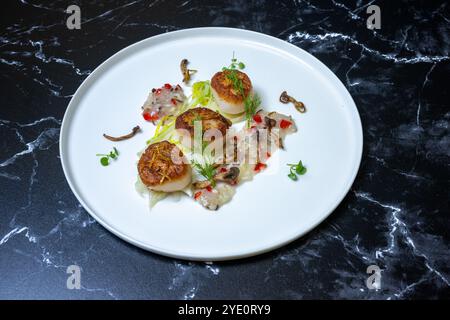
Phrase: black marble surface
[396,215]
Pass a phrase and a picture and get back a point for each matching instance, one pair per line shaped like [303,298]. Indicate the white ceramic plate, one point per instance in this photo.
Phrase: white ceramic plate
[267,212]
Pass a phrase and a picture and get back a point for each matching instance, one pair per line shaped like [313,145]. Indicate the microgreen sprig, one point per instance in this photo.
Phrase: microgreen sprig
[106,158]
[235,64]
[296,170]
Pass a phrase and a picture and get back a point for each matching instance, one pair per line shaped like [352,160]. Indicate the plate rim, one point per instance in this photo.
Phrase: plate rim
[71,107]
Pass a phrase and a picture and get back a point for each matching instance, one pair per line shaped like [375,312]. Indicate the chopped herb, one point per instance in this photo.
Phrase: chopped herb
[296,169]
[251,102]
[232,75]
[105,158]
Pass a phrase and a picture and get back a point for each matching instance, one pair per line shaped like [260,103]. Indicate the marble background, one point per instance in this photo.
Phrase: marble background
[395,216]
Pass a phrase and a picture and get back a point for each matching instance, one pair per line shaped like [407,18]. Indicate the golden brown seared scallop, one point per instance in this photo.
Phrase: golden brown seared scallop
[229,99]
[209,118]
[159,172]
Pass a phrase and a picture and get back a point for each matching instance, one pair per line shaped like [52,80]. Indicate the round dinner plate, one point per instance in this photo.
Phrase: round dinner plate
[265,213]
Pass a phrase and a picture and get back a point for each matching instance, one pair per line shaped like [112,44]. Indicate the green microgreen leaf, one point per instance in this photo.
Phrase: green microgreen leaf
[104,161]
[295,170]
[292,176]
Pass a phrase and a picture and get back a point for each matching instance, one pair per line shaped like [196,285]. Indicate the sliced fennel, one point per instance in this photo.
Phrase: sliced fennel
[140,187]
[201,93]
[163,132]
[153,196]
[234,118]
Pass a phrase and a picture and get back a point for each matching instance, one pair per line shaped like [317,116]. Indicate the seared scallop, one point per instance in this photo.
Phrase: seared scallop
[228,97]
[209,118]
[158,170]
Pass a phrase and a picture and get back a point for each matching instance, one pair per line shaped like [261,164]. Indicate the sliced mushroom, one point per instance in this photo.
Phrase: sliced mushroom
[185,71]
[285,98]
[280,143]
[124,137]
[230,176]
[270,123]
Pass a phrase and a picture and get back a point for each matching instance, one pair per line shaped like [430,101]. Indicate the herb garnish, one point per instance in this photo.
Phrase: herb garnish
[105,158]
[207,170]
[296,169]
[251,102]
[234,64]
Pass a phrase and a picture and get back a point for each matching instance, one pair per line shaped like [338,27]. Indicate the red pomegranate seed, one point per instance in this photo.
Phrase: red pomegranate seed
[259,166]
[285,124]
[147,116]
[197,195]
[257,118]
